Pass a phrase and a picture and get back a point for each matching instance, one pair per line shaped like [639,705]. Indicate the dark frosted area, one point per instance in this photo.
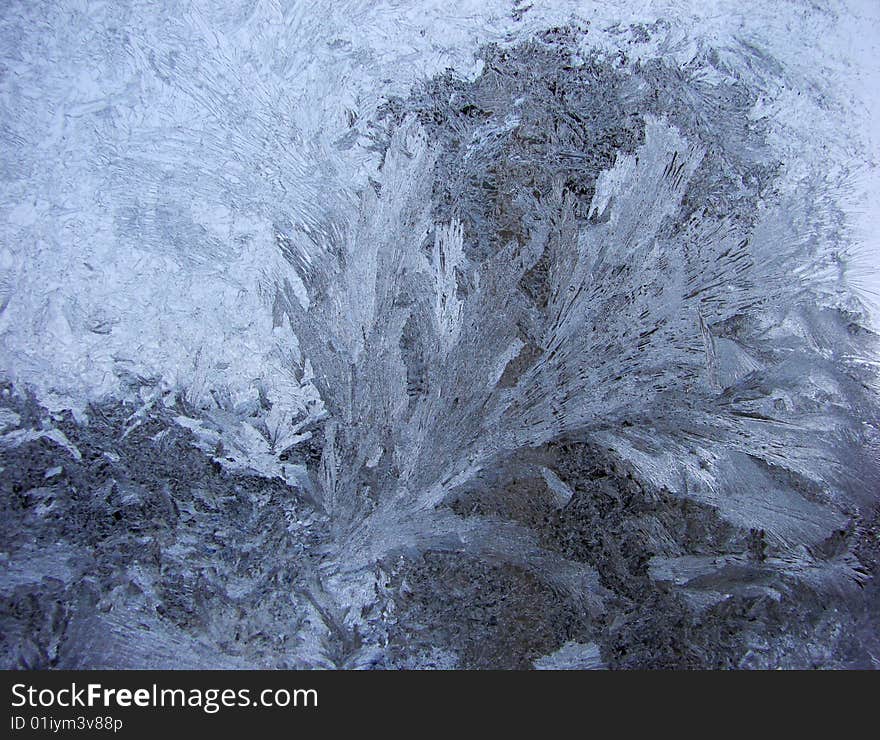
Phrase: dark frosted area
[573,367]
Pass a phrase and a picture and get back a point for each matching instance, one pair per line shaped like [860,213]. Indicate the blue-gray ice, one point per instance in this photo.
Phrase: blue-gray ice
[436,334]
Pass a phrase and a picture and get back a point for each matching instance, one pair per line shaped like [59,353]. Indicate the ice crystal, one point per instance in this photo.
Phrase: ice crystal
[538,339]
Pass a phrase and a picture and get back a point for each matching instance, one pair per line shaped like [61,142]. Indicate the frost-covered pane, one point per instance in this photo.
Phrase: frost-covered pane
[437,335]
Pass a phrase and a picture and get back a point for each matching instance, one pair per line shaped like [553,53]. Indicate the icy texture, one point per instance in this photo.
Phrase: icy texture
[572,657]
[434,335]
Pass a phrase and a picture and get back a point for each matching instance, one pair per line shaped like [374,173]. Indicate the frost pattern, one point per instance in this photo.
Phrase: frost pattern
[563,299]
